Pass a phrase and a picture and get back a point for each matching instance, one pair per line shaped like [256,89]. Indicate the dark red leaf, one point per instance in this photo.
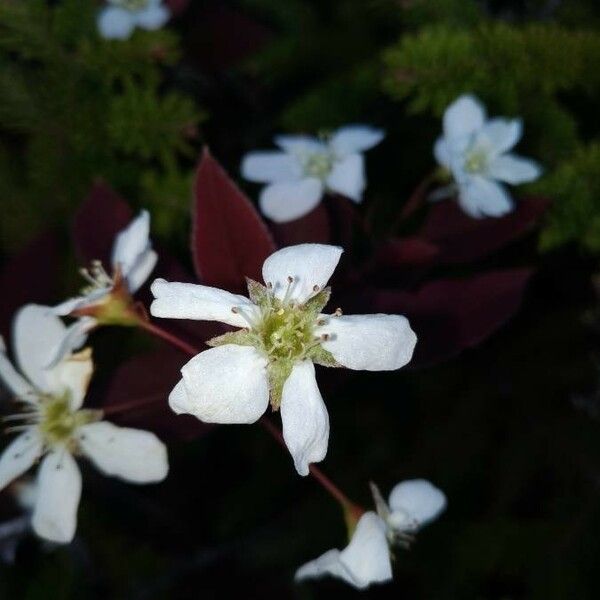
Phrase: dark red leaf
[449,315]
[461,238]
[143,384]
[99,218]
[29,276]
[229,239]
[406,252]
[312,227]
[177,6]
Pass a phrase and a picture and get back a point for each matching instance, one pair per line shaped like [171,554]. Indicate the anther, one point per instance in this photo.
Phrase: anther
[338,312]
[321,322]
[290,279]
[324,336]
[235,310]
[316,288]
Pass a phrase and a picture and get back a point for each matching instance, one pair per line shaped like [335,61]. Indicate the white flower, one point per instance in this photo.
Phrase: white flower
[306,167]
[476,151]
[54,425]
[133,259]
[367,558]
[118,20]
[284,333]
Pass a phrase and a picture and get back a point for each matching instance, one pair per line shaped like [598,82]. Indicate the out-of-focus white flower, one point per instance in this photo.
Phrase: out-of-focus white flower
[52,424]
[306,167]
[133,259]
[476,150]
[367,558]
[118,20]
[283,333]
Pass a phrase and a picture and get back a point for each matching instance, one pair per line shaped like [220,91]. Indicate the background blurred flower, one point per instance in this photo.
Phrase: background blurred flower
[118,20]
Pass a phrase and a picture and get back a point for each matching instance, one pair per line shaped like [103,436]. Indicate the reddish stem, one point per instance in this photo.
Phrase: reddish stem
[329,486]
[416,198]
[132,404]
[168,337]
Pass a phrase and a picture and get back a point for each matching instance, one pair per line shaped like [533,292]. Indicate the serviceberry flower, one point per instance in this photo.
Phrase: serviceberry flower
[118,20]
[53,424]
[476,151]
[306,167]
[368,557]
[106,297]
[271,358]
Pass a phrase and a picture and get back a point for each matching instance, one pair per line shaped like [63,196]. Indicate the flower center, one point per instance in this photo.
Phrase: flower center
[317,164]
[132,5]
[58,421]
[97,278]
[476,161]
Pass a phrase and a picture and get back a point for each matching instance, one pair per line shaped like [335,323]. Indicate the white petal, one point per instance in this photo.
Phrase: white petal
[364,561]
[179,400]
[347,177]
[442,152]
[15,383]
[369,342]
[481,197]
[73,374]
[226,384]
[355,138]
[38,335]
[500,135]
[463,117]
[19,456]
[131,243]
[309,265]
[59,489]
[131,454]
[75,337]
[199,302]
[419,498]
[141,270]
[304,417]
[514,169]
[286,201]
[154,16]
[270,166]
[300,144]
[115,23]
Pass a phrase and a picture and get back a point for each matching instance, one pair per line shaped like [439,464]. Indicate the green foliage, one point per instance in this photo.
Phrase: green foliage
[74,107]
[575,190]
[531,71]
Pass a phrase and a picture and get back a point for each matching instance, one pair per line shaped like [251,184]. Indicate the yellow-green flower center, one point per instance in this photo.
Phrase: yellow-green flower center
[318,164]
[476,161]
[58,422]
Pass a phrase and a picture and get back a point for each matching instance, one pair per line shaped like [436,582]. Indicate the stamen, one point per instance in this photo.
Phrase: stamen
[337,312]
[288,291]
[236,310]
[316,288]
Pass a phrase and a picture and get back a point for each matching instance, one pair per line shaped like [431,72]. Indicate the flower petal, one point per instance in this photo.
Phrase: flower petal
[514,169]
[140,271]
[270,166]
[153,17]
[300,144]
[310,266]
[59,490]
[364,561]
[73,374]
[199,302]
[355,138]
[19,456]
[442,152]
[480,197]
[419,498]
[75,337]
[348,177]
[38,334]
[369,342]
[227,384]
[286,201]
[115,23]
[304,417]
[131,243]
[131,454]
[500,134]
[13,380]
[463,117]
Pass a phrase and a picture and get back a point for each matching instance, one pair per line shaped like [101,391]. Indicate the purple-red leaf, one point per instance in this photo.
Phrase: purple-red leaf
[449,315]
[141,386]
[229,239]
[29,276]
[461,238]
[97,221]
